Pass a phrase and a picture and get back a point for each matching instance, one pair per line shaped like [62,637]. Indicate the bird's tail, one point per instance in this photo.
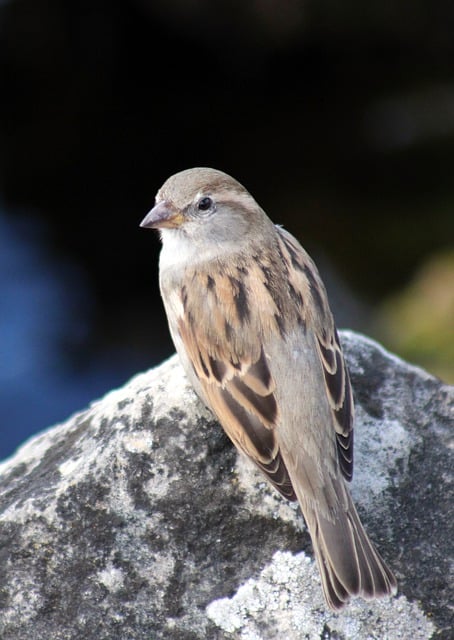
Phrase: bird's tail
[348,562]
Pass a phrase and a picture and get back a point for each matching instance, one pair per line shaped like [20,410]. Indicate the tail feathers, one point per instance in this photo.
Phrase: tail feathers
[348,562]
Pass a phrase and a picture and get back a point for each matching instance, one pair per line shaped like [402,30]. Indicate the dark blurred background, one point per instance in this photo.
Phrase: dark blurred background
[338,117]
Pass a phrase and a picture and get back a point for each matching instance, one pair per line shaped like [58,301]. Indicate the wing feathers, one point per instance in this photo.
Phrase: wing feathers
[334,371]
[264,407]
[247,426]
[258,376]
[249,433]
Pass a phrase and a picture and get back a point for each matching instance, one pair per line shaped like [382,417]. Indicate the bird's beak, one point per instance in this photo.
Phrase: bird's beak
[164,215]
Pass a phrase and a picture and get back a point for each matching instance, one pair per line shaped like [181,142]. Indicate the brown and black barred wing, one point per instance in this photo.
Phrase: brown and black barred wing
[233,373]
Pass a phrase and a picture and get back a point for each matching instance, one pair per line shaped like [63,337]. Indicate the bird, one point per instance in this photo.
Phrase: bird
[250,320]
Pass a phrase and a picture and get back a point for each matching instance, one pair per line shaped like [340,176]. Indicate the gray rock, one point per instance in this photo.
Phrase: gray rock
[136,519]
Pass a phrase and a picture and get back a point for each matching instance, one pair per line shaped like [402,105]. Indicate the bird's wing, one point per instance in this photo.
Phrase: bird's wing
[230,362]
[226,319]
[304,278]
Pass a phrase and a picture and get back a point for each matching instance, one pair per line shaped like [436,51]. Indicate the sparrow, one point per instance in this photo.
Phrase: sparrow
[250,320]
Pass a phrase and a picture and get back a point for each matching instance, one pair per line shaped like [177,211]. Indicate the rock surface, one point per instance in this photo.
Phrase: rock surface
[136,519]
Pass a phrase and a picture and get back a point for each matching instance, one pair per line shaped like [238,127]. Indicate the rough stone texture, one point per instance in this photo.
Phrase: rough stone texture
[136,519]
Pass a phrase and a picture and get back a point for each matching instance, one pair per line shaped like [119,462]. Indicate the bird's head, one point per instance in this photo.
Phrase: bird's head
[205,206]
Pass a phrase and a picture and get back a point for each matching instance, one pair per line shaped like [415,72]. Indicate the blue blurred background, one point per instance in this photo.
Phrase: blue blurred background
[338,117]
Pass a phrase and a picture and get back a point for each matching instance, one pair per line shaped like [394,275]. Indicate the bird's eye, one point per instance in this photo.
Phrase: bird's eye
[204,204]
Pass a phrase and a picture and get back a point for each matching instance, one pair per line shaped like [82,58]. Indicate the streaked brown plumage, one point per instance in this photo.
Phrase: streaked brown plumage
[250,320]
